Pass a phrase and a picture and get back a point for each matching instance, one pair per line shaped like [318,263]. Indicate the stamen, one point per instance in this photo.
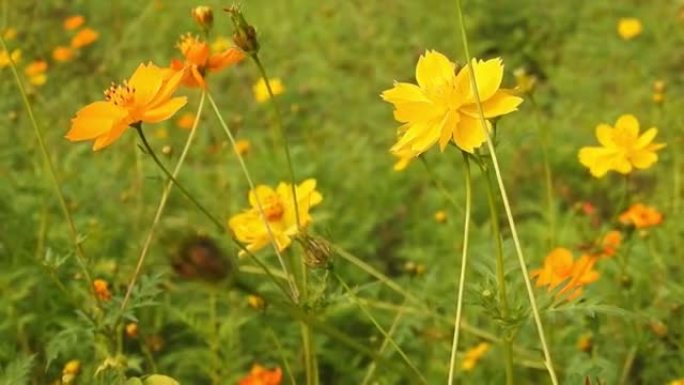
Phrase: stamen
[120,94]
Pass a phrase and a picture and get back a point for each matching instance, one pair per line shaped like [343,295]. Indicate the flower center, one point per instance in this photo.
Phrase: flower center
[186,42]
[121,95]
[273,209]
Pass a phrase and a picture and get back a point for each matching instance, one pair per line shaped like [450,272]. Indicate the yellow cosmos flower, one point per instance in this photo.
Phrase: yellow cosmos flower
[84,37]
[629,28]
[279,210]
[677,382]
[261,91]
[73,22]
[147,97]
[641,216]
[199,60]
[442,107]
[560,267]
[622,148]
[473,356]
[35,72]
[5,57]
[62,54]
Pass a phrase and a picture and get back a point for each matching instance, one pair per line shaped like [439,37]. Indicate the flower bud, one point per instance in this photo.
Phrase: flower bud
[317,251]
[244,36]
[204,16]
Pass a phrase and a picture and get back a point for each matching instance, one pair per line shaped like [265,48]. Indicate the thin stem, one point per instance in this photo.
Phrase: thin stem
[384,345]
[293,287]
[73,233]
[464,261]
[548,176]
[504,197]
[164,198]
[281,351]
[500,273]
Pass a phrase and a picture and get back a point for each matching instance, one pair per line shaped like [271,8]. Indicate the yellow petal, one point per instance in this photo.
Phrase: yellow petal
[94,120]
[146,81]
[604,134]
[488,75]
[646,138]
[469,134]
[501,103]
[447,131]
[263,193]
[596,159]
[164,111]
[643,159]
[434,70]
[629,124]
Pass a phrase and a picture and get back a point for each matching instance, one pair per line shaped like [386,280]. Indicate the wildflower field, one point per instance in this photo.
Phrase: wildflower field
[341,192]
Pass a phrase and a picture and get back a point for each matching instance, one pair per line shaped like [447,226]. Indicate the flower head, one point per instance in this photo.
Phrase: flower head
[442,107]
[260,89]
[279,210]
[242,146]
[101,289]
[262,376]
[641,216]
[147,97]
[629,27]
[73,22]
[62,54]
[610,243]
[560,267]
[473,355]
[199,60]
[35,72]
[84,37]
[5,57]
[186,121]
[622,148]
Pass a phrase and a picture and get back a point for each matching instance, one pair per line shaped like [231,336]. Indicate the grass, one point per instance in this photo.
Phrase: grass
[334,59]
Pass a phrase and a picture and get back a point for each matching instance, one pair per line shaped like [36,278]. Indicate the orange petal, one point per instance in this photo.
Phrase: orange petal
[114,134]
[164,111]
[223,60]
[146,81]
[94,120]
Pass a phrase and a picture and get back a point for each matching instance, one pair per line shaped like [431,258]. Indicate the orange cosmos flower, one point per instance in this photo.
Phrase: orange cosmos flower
[199,60]
[101,289]
[73,22]
[611,241]
[186,121]
[35,72]
[641,216]
[145,98]
[84,37]
[262,376]
[560,267]
[62,54]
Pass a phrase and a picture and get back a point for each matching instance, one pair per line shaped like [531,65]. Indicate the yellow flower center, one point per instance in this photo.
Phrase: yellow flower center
[273,209]
[186,42]
[121,95]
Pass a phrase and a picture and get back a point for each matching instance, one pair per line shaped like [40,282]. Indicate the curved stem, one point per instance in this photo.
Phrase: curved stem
[464,262]
[73,233]
[507,207]
[163,199]
[294,292]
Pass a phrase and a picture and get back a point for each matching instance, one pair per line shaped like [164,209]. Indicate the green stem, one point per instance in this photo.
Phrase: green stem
[294,292]
[464,262]
[385,343]
[500,273]
[281,351]
[73,233]
[509,214]
[548,176]
[164,197]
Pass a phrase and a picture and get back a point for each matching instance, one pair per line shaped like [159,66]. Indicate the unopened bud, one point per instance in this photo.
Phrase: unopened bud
[244,36]
[204,16]
[317,251]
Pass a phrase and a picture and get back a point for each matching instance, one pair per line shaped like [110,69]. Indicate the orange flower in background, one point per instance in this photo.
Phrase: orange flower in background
[186,121]
[622,148]
[242,146]
[62,54]
[147,97]
[199,60]
[610,242]
[262,376]
[560,267]
[84,37]
[35,72]
[73,22]
[101,289]
[641,216]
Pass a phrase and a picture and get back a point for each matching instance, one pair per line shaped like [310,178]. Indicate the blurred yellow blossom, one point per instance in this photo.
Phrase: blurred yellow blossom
[70,371]
[629,28]
[677,382]
[132,330]
[622,148]
[242,146]
[62,54]
[278,210]
[9,34]
[35,72]
[658,91]
[440,216]
[261,91]
[5,57]
[473,355]
[524,81]
[256,302]
[641,216]
[73,22]
[442,107]
[84,37]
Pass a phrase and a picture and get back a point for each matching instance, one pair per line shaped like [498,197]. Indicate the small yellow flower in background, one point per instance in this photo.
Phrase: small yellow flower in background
[221,44]
[677,382]
[442,107]
[5,57]
[473,355]
[622,148]
[147,97]
[199,60]
[279,210]
[186,121]
[440,216]
[256,302]
[73,22]
[132,330]
[405,157]
[35,72]
[242,146]
[62,54]
[161,133]
[610,243]
[84,37]
[524,81]
[101,289]
[70,371]
[261,91]
[641,216]
[9,34]
[262,376]
[658,91]
[629,27]
[560,267]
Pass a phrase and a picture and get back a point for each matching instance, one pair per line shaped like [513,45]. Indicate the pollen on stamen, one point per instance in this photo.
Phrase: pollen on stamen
[120,94]
[186,42]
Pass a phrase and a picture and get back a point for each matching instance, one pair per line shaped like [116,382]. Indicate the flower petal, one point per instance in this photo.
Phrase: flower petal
[604,134]
[488,75]
[224,59]
[629,124]
[114,134]
[146,81]
[501,103]
[469,134]
[164,111]
[94,120]
[434,70]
